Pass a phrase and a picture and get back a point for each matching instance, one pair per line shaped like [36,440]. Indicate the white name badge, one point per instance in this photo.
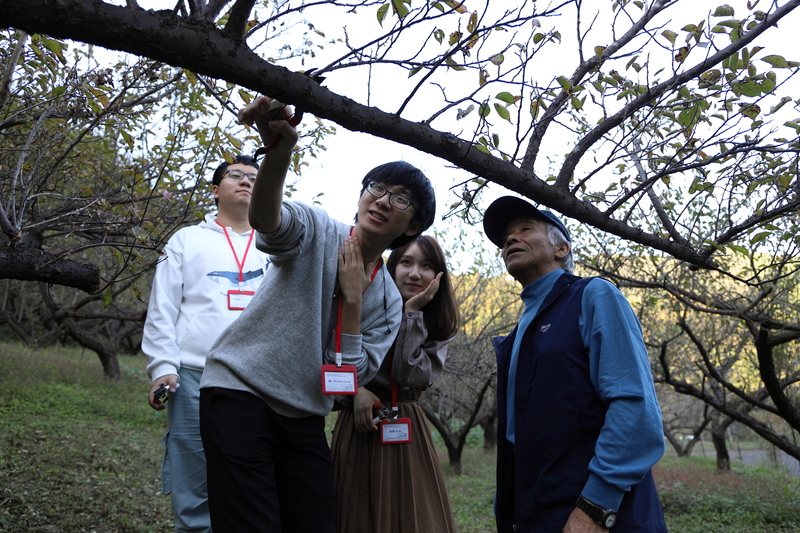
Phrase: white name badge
[339,379]
[238,300]
[395,431]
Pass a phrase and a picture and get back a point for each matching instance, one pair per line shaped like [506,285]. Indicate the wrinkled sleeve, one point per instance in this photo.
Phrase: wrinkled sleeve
[287,241]
[159,338]
[631,440]
[417,362]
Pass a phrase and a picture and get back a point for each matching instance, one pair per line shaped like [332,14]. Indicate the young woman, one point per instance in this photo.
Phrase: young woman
[399,487]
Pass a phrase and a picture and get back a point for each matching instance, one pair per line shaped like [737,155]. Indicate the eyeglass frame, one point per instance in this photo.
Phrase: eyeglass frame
[391,195]
[251,176]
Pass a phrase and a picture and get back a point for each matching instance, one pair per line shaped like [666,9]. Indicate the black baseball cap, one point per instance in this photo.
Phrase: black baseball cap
[499,215]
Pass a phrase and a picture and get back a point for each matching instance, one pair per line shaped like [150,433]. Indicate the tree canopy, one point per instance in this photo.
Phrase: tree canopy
[658,120]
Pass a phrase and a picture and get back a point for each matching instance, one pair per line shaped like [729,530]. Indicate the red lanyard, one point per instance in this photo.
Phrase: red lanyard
[392,382]
[339,317]
[235,255]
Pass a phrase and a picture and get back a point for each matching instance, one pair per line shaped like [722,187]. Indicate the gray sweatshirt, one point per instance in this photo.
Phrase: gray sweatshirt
[276,348]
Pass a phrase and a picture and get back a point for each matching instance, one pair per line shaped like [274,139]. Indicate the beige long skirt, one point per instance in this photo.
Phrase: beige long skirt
[389,488]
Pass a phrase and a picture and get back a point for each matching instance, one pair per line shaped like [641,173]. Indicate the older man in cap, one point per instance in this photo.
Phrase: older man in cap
[579,421]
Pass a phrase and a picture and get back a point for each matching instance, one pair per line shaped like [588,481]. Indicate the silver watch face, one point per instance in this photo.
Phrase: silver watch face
[610,520]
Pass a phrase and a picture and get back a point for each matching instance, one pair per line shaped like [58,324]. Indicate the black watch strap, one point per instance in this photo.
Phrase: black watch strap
[605,517]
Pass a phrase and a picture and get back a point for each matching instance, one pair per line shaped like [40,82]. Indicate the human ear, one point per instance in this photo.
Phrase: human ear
[562,250]
[215,191]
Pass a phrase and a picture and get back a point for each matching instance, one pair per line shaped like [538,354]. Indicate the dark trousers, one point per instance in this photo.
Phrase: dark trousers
[266,472]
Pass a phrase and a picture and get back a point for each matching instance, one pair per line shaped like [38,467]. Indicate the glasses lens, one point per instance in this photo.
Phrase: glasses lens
[237,175]
[400,202]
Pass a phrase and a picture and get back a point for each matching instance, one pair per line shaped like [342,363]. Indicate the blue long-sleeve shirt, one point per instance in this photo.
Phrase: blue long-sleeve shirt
[631,440]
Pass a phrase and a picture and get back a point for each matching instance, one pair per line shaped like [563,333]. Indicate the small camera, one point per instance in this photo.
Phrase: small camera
[161,394]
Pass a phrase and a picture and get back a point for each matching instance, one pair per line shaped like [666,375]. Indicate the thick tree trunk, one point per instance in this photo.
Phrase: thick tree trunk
[721,447]
[105,351]
[454,457]
[680,451]
[489,426]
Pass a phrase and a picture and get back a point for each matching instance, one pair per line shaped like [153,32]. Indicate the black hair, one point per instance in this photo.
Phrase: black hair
[441,313]
[402,174]
[223,168]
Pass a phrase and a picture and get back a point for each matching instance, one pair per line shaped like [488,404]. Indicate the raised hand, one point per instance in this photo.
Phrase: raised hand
[418,301]
[271,118]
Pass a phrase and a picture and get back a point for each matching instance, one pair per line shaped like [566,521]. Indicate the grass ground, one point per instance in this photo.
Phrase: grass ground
[78,453]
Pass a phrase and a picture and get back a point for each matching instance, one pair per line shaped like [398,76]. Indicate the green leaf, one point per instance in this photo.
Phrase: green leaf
[414,71]
[670,36]
[598,51]
[438,35]
[535,109]
[56,47]
[473,22]
[723,11]
[233,140]
[755,239]
[400,8]
[484,110]
[732,62]
[117,255]
[108,297]
[140,234]
[458,6]
[538,37]
[565,83]
[503,112]
[245,96]
[497,59]
[453,65]
[751,88]
[776,61]
[785,100]
[454,37]
[508,97]
[382,11]
[739,249]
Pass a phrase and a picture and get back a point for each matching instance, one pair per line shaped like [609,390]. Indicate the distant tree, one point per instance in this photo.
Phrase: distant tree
[464,396]
[98,166]
[728,341]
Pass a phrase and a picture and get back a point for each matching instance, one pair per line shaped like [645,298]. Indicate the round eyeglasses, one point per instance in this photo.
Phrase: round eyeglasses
[398,201]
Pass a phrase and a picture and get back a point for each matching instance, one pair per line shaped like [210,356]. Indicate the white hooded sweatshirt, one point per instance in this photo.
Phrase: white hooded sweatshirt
[188,306]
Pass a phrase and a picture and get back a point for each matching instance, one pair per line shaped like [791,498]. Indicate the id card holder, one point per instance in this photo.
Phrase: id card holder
[395,431]
[339,379]
[238,300]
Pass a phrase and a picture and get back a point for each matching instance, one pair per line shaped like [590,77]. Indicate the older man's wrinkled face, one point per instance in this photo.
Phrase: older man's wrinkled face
[528,252]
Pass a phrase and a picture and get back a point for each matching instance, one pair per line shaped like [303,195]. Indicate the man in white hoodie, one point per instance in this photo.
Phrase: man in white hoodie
[207,277]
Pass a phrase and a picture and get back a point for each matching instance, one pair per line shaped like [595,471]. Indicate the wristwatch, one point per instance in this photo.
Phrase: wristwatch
[605,517]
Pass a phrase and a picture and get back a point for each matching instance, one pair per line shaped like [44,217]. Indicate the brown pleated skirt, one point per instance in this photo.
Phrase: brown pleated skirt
[389,488]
